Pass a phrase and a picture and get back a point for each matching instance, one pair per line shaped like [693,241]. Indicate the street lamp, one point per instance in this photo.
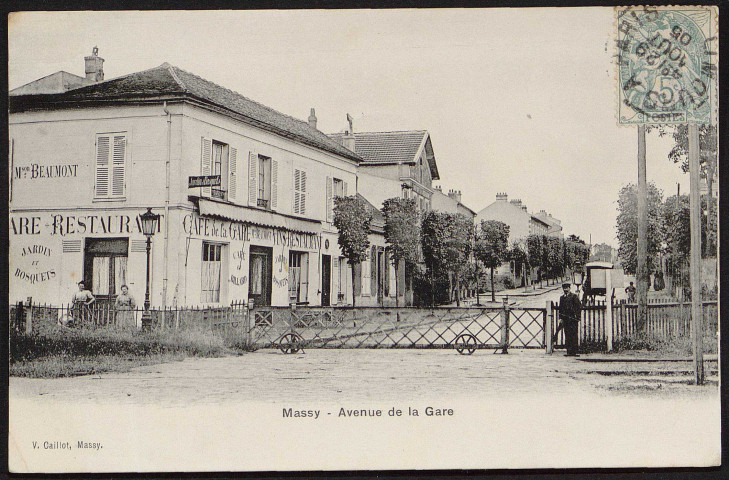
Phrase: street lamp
[577,275]
[149,226]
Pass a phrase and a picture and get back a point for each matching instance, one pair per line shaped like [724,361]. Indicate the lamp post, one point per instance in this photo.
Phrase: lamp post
[149,226]
[577,276]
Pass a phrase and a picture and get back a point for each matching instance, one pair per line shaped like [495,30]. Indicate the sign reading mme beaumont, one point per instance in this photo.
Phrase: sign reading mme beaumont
[667,65]
[203,181]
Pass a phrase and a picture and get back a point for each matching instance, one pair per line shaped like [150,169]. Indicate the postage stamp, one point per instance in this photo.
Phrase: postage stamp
[667,65]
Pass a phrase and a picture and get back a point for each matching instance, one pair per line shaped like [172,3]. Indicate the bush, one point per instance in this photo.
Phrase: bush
[60,351]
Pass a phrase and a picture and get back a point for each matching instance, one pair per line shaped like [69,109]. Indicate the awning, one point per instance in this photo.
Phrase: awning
[259,217]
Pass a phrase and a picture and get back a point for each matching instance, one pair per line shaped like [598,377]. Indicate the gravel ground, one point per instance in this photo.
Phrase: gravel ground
[361,374]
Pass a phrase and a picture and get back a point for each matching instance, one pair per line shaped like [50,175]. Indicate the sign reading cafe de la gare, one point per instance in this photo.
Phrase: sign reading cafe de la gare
[667,65]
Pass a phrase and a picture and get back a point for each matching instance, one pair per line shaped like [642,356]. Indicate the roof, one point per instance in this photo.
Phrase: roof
[168,82]
[378,219]
[392,147]
[58,82]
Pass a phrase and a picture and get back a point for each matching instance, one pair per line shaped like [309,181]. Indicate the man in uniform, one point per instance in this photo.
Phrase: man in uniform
[570,309]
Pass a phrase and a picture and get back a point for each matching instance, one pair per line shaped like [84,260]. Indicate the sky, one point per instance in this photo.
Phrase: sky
[521,101]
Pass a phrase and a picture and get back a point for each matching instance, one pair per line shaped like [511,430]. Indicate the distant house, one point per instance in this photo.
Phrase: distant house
[395,164]
[515,214]
[450,203]
[521,224]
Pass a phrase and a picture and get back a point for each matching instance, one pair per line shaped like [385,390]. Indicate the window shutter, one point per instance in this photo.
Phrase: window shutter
[303,193]
[274,184]
[330,201]
[206,149]
[336,284]
[297,194]
[102,165]
[344,189]
[118,163]
[373,271]
[252,179]
[357,279]
[232,173]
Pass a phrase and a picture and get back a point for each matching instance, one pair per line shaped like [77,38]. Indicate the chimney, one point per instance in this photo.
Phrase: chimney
[501,197]
[312,119]
[438,187]
[94,66]
[348,140]
[523,207]
[516,202]
[455,195]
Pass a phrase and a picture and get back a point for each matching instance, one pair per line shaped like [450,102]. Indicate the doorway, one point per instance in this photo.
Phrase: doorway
[105,267]
[259,274]
[326,280]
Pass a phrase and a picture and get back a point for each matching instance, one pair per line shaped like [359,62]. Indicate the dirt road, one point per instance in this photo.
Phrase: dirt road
[368,374]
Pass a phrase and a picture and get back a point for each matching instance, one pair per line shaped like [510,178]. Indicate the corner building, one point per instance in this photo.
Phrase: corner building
[86,161]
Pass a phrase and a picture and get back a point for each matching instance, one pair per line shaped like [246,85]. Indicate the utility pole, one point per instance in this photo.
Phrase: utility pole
[697,317]
[641,273]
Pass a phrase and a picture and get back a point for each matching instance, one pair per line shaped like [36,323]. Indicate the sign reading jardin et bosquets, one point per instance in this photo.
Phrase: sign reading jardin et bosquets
[667,65]
[203,181]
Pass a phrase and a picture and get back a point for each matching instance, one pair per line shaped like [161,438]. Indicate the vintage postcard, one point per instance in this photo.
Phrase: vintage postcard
[363,239]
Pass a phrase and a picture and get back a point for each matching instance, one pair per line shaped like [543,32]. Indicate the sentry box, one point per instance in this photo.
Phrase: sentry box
[601,276]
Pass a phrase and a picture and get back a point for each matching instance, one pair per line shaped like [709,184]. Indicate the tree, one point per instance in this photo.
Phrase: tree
[556,256]
[534,250]
[446,243]
[627,227]
[492,246]
[352,219]
[402,232]
[517,254]
[708,147]
[602,253]
[676,221]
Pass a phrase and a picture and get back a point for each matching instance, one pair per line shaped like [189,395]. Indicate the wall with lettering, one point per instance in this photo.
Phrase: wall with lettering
[54,153]
[237,239]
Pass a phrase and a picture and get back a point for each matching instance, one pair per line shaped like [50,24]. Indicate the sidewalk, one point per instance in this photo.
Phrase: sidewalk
[532,291]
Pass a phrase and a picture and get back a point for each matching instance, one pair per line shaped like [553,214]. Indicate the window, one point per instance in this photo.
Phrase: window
[211,264]
[366,273]
[220,167]
[264,182]
[299,191]
[298,276]
[218,158]
[338,189]
[335,188]
[111,160]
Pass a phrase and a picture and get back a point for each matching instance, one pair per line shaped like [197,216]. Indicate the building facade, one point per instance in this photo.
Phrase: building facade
[87,161]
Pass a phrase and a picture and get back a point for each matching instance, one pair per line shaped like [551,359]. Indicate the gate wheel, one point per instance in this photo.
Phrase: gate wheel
[290,343]
[465,344]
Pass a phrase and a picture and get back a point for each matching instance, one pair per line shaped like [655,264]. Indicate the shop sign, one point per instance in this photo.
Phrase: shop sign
[208,227]
[62,225]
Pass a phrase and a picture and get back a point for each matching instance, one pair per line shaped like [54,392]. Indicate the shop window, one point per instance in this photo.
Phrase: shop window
[298,276]
[110,166]
[211,272]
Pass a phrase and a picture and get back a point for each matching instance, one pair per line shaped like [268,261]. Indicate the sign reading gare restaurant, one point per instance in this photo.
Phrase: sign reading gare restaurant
[62,224]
